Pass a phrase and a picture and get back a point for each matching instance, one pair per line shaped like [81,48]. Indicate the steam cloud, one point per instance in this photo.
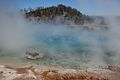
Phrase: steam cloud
[111,13]
[13,31]
[98,47]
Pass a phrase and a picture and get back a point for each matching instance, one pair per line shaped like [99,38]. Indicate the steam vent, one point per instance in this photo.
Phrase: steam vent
[32,55]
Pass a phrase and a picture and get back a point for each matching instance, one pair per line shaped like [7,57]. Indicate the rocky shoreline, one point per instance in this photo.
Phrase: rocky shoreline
[50,73]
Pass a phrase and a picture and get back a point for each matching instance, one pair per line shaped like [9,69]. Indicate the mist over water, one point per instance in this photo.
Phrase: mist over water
[62,45]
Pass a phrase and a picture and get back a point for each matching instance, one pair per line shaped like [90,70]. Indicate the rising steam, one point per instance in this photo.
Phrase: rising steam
[63,44]
[14,33]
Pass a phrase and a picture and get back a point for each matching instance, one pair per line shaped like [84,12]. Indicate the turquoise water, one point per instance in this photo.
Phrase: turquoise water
[71,48]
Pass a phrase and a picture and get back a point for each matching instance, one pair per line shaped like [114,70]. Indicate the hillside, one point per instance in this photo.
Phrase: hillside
[59,14]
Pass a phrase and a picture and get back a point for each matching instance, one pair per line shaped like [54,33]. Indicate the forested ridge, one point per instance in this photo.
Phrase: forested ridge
[60,13]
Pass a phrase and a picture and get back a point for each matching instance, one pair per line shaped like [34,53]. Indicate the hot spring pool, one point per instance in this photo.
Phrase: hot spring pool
[72,48]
